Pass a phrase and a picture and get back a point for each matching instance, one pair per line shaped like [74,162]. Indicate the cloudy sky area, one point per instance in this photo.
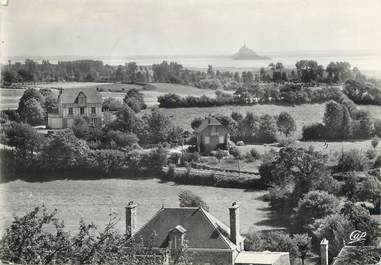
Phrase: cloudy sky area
[158,27]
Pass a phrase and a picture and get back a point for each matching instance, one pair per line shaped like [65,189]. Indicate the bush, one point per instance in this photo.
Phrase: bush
[314,132]
[191,157]
[314,205]
[174,158]
[189,199]
[284,140]
[371,154]
[255,154]
[352,160]
[106,161]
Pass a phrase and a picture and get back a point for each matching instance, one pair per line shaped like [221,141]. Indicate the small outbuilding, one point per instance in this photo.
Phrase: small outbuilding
[210,135]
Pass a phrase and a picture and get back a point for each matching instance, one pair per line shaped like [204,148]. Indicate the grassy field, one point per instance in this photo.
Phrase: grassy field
[333,150]
[303,114]
[9,97]
[93,200]
[375,111]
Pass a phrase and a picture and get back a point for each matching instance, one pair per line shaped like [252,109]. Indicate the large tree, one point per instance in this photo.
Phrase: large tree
[311,207]
[24,138]
[189,199]
[30,106]
[337,120]
[286,123]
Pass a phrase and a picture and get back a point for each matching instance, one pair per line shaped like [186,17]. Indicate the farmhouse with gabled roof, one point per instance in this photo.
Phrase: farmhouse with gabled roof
[210,135]
[77,102]
[208,239]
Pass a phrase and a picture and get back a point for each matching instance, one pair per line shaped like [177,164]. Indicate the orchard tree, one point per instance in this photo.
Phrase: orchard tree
[337,120]
[352,160]
[122,139]
[111,104]
[34,113]
[286,124]
[64,150]
[189,199]
[267,128]
[126,120]
[196,122]
[361,220]
[303,245]
[23,108]
[81,127]
[335,228]
[313,206]
[135,100]
[24,138]
[371,191]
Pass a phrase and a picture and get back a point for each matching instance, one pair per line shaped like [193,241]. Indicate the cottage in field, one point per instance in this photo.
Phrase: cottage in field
[77,102]
[211,134]
[208,240]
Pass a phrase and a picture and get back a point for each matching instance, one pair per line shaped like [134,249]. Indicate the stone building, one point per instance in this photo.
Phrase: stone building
[77,102]
[208,240]
[210,135]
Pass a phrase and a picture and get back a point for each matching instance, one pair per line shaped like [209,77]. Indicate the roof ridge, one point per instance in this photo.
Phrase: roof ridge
[219,232]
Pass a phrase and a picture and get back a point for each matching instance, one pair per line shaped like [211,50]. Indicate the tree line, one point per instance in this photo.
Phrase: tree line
[306,71]
[280,94]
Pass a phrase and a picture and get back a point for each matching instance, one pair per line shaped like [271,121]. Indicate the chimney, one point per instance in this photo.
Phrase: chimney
[131,219]
[324,252]
[234,223]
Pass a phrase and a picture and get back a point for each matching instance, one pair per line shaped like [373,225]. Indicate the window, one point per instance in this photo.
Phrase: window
[81,100]
[93,110]
[94,121]
[207,140]
[221,139]
[70,111]
[82,110]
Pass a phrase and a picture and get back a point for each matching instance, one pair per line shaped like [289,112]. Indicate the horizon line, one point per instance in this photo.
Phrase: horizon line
[283,52]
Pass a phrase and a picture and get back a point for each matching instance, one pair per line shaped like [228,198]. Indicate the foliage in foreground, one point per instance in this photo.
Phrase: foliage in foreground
[39,238]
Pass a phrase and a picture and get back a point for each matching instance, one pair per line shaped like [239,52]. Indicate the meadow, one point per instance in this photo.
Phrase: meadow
[303,114]
[9,98]
[93,200]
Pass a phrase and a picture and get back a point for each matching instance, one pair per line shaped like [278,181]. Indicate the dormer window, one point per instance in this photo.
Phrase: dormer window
[176,237]
[81,99]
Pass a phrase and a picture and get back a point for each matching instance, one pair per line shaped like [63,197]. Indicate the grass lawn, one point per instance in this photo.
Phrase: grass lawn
[93,200]
[374,110]
[333,150]
[231,163]
[303,114]
[9,97]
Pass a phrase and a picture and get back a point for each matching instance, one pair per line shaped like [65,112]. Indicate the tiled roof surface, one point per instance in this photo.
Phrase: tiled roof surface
[202,229]
[69,95]
[209,121]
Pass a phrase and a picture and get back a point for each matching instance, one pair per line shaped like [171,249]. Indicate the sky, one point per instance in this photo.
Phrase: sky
[178,27]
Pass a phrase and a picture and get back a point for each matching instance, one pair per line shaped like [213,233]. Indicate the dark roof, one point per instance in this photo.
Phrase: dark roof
[209,121]
[358,255]
[69,95]
[202,229]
